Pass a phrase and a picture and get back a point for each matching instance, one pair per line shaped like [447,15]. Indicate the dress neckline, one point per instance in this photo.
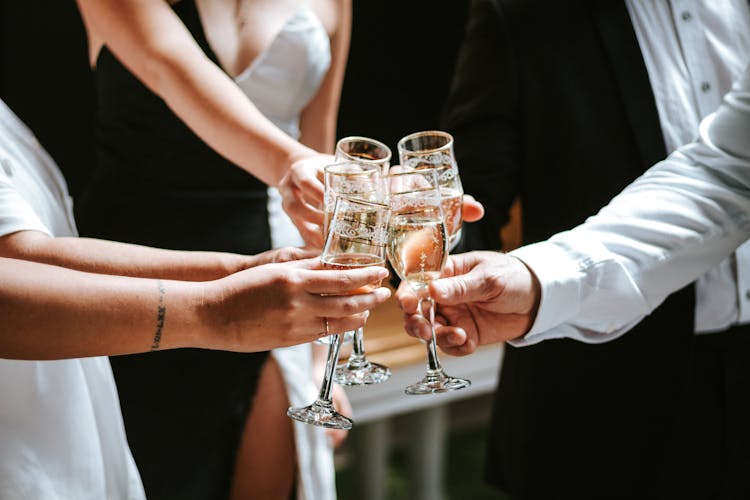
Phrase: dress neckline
[302,10]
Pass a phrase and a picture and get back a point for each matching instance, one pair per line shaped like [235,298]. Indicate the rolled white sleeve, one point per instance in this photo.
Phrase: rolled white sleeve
[15,212]
[679,219]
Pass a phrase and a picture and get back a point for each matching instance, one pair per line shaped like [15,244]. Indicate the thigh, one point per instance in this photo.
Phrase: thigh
[266,459]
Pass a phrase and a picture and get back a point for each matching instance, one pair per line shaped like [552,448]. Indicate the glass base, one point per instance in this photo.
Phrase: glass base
[366,374]
[322,414]
[436,382]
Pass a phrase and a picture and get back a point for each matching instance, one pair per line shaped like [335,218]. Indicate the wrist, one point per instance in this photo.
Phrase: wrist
[291,157]
[200,316]
[234,263]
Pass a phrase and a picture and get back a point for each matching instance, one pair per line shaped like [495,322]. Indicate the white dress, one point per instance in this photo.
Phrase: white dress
[61,430]
[281,82]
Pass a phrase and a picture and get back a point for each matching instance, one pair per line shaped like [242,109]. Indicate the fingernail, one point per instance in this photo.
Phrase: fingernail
[383,293]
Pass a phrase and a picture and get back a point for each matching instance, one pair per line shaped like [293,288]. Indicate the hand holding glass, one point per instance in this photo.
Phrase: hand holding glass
[358,370]
[361,181]
[356,238]
[418,250]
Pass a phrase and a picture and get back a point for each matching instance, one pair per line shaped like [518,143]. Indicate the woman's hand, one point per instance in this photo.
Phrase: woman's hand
[278,305]
[277,255]
[302,194]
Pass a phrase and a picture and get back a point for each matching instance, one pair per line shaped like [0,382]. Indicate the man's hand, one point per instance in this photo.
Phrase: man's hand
[483,297]
[472,210]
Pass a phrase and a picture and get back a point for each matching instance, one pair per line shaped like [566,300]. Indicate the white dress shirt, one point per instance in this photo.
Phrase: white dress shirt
[693,51]
[680,218]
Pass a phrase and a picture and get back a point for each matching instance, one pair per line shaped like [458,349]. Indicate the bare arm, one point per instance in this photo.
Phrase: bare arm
[109,257]
[50,312]
[151,41]
[155,46]
[318,120]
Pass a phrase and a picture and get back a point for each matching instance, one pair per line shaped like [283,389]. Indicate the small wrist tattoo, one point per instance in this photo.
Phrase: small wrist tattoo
[161,312]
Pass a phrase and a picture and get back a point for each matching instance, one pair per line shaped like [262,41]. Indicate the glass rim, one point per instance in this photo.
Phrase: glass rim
[425,133]
[352,138]
[331,168]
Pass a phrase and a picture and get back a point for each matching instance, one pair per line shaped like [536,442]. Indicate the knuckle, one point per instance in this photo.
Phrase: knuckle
[492,285]
[349,306]
[289,203]
[287,282]
[463,287]
[344,281]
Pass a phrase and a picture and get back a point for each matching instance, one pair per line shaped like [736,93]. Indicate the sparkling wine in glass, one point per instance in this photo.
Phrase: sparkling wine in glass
[353,180]
[417,251]
[434,149]
[361,180]
[358,370]
[356,238]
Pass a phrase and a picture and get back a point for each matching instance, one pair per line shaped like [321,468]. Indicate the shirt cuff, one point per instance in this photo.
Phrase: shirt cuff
[558,275]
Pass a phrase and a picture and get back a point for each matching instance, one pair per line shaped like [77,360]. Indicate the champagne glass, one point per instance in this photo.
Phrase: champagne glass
[355,180]
[358,370]
[356,238]
[364,150]
[351,179]
[417,250]
[434,149]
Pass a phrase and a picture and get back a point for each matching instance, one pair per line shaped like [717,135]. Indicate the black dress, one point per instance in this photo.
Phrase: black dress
[156,183]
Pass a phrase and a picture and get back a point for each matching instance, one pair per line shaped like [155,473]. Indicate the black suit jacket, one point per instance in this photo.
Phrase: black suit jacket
[551,102]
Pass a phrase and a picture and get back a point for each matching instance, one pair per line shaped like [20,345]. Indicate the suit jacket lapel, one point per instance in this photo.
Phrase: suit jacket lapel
[629,71]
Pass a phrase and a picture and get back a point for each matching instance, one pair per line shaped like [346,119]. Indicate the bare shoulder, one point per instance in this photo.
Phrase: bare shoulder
[331,13]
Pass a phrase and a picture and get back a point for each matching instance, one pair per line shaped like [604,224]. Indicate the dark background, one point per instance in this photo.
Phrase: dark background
[400,66]
[45,80]
[399,70]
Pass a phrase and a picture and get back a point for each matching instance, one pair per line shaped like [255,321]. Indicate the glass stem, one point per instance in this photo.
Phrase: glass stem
[433,363]
[357,358]
[333,355]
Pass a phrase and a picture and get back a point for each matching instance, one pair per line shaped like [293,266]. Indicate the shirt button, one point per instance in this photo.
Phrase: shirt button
[705,86]
[7,167]
[686,16]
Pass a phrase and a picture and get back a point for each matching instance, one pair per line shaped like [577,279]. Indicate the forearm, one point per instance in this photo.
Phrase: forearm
[50,312]
[109,257]
[318,121]
[148,37]
[667,228]
[212,105]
